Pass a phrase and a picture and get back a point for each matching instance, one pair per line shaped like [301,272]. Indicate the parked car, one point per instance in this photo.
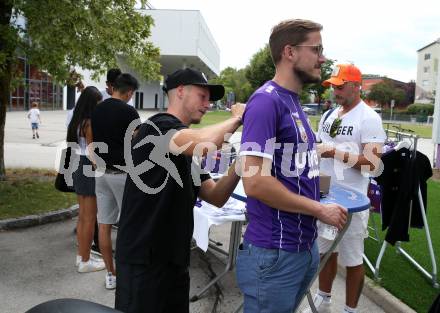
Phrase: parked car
[309,111]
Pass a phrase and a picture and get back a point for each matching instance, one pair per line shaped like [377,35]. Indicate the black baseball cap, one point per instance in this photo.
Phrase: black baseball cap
[189,76]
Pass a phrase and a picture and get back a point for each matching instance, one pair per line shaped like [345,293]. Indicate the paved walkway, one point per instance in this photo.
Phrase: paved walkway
[37,263]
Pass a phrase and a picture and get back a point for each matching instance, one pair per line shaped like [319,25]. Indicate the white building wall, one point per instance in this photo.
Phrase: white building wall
[427,70]
[184,40]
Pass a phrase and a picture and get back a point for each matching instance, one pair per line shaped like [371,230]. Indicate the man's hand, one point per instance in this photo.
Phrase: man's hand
[333,214]
[325,150]
[237,110]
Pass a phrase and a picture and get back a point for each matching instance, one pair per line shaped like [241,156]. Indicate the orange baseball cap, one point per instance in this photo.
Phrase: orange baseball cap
[343,73]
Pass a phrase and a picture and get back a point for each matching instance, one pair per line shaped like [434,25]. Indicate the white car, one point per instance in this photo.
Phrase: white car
[309,111]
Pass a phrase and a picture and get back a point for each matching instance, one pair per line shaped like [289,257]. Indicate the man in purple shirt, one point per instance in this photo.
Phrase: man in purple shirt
[280,173]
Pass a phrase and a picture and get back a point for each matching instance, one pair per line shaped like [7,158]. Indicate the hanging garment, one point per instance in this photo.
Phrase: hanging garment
[400,182]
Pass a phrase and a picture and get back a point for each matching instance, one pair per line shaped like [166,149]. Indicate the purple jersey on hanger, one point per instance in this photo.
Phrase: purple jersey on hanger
[275,127]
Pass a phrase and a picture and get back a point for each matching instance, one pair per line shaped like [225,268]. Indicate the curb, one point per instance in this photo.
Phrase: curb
[379,295]
[34,220]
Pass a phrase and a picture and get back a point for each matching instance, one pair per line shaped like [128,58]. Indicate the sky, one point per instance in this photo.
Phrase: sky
[379,36]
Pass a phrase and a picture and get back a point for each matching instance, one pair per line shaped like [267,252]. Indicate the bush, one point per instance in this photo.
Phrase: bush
[421,109]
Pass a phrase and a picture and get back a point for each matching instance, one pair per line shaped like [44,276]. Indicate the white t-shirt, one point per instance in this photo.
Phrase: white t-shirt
[359,126]
[34,115]
[105,95]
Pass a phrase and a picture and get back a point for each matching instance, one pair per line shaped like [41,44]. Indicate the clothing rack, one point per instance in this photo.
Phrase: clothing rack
[400,136]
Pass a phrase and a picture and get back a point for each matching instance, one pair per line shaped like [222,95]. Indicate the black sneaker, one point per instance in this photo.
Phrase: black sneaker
[38,136]
[33,136]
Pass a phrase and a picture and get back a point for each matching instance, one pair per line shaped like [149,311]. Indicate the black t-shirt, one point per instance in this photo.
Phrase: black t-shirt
[110,121]
[400,183]
[156,227]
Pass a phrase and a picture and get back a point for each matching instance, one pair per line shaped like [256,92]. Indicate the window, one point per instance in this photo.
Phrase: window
[425,83]
[426,69]
[139,100]
[427,56]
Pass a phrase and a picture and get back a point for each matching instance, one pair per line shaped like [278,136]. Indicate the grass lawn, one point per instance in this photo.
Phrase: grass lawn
[31,191]
[399,276]
[212,117]
[424,131]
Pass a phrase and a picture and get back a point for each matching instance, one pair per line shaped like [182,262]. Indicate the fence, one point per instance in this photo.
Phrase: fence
[406,118]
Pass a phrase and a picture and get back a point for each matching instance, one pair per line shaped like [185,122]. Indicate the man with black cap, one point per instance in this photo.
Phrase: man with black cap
[156,223]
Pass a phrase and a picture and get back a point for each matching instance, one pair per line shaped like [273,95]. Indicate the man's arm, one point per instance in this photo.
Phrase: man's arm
[89,140]
[368,160]
[269,190]
[213,135]
[218,193]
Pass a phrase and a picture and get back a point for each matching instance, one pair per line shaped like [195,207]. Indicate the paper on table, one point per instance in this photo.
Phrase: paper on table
[207,214]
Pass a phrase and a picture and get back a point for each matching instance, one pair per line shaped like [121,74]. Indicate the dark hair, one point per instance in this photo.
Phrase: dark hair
[125,83]
[290,32]
[112,74]
[84,108]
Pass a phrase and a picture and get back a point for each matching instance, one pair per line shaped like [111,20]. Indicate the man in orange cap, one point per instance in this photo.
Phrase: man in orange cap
[352,136]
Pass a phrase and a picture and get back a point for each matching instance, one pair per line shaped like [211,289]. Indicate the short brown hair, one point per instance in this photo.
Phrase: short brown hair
[34,104]
[291,32]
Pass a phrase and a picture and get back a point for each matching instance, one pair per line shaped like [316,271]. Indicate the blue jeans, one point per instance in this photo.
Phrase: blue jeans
[274,280]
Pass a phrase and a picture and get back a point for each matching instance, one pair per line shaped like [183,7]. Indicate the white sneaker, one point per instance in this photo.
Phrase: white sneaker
[321,304]
[110,281]
[91,265]
[79,259]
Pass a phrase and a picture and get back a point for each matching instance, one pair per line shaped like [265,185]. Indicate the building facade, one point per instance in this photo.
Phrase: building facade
[427,72]
[368,81]
[184,40]
[33,85]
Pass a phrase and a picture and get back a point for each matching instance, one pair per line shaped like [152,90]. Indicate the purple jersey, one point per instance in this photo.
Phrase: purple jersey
[275,127]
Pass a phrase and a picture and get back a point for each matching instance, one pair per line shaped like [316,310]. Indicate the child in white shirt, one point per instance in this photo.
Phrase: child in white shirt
[34,117]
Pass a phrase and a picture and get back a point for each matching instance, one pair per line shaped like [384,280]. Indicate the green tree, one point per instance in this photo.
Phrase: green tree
[317,89]
[260,68]
[234,81]
[61,35]
[385,91]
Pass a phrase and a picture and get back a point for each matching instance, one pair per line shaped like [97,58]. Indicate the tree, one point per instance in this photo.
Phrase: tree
[234,81]
[384,92]
[260,68]
[61,35]
[317,89]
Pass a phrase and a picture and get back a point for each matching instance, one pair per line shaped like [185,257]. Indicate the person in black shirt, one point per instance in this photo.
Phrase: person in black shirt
[156,224]
[110,123]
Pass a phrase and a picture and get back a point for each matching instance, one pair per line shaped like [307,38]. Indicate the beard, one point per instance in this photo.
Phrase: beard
[305,77]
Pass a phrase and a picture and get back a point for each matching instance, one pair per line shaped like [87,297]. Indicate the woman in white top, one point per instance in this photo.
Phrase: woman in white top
[80,132]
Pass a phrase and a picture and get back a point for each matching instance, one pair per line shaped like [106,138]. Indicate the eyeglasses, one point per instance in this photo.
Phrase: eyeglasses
[318,49]
[334,128]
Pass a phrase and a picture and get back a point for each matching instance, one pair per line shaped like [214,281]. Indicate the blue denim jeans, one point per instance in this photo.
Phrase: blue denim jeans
[274,280]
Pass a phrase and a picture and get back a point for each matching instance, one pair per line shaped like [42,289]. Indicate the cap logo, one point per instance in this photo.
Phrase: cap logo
[204,76]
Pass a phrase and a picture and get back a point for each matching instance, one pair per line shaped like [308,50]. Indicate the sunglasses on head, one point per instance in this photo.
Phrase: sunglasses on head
[334,128]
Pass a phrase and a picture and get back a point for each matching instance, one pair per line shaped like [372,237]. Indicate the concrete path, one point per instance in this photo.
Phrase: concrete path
[37,265]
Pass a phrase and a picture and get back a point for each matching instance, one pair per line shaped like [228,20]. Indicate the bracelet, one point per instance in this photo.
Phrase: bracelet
[346,156]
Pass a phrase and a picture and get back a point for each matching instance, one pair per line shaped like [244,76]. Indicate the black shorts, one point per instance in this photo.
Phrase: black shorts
[152,288]
[83,185]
